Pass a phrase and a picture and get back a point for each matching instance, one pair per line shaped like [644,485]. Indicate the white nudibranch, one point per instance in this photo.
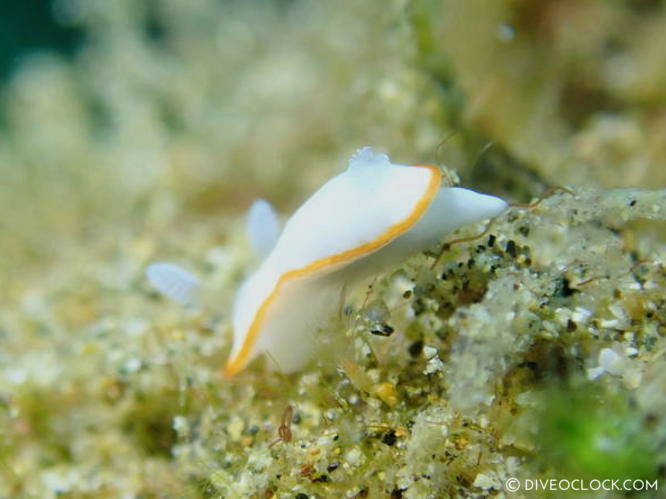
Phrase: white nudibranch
[361,222]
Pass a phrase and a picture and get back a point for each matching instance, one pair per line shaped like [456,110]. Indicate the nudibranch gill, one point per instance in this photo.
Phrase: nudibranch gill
[361,222]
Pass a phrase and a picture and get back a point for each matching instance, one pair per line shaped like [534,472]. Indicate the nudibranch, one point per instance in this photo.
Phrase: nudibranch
[361,222]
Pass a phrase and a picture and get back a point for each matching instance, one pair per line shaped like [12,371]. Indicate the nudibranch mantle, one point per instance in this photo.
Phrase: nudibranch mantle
[361,222]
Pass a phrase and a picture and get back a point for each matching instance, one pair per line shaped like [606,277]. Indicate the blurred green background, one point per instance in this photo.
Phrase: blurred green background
[26,26]
[119,115]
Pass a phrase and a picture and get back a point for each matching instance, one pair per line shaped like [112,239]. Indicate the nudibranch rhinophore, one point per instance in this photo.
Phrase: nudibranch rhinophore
[368,218]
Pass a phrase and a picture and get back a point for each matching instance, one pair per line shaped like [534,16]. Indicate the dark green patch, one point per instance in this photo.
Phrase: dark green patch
[585,431]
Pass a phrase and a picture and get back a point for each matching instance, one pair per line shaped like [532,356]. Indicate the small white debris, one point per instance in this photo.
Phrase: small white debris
[429,352]
[609,362]
[60,481]
[181,426]
[563,315]
[235,428]
[594,373]
[434,365]
[136,327]
[17,375]
[631,351]
[486,482]
[506,33]
[353,457]
[632,378]
[132,365]
[609,323]
[580,315]
[219,256]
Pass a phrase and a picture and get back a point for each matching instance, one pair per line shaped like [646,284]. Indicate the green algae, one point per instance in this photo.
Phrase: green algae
[588,432]
[106,389]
